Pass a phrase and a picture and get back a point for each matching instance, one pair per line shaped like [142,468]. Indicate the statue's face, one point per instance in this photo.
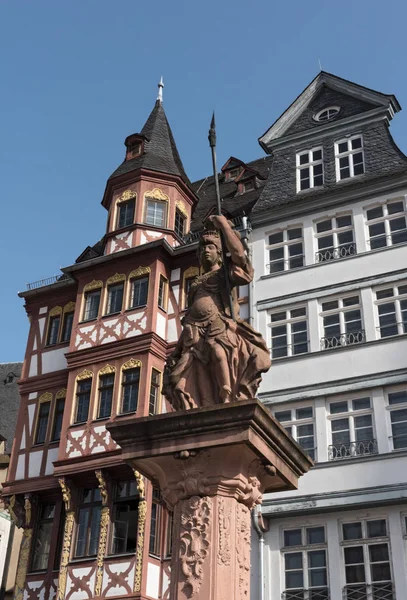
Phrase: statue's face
[209,255]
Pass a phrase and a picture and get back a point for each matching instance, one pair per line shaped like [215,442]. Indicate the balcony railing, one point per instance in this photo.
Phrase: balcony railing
[334,253]
[49,281]
[366,591]
[310,594]
[352,449]
[344,339]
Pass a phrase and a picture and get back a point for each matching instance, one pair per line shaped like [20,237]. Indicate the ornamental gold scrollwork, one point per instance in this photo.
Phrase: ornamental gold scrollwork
[102,486]
[93,285]
[66,493]
[85,374]
[126,195]
[54,312]
[66,550]
[142,515]
[27,510]
[139,272]
[107,370]
[182,208]
[46,397]
[131,364]
[70,307]
[191,272]
[116,278]
[23,564]
[104,522]
[156,194]
[60,394]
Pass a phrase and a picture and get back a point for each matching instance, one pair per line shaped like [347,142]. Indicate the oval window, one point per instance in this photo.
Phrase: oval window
[327,114]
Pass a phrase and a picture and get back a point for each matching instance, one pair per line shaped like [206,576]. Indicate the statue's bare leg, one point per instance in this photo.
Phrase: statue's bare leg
[222,373]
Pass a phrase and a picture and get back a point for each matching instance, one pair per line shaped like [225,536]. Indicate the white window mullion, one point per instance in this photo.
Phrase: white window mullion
[399,318]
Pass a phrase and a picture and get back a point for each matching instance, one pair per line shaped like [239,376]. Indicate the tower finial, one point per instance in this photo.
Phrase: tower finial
[160,90]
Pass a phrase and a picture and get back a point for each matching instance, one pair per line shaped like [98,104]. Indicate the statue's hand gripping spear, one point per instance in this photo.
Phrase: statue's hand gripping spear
[212,143]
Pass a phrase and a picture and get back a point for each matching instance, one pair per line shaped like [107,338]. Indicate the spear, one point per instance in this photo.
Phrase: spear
[212,144]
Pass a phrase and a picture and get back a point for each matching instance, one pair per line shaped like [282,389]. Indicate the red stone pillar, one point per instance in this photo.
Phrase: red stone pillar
[212,466]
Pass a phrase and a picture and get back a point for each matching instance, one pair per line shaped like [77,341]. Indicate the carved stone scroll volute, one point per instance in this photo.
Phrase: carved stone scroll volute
[104,524]
[68,532]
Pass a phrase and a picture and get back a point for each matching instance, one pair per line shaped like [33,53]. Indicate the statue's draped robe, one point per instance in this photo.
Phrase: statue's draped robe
[211,338]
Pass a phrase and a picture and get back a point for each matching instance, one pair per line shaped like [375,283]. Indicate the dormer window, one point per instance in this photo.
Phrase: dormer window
[327,114]
[349,158]
[247,186]
[232,174]
[134,145]
[309,169]
[134,149]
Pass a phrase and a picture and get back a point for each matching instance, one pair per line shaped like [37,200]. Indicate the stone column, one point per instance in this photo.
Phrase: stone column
[212,465]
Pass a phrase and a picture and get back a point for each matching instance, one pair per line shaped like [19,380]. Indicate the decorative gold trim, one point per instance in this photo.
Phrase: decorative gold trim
[60,394]
[70,307]
[126,195]
[107,370]
[27,510]
[116,278]
[104,522]
[157,194]
[66,493]
[191,272]
[66,551]
[131,364]
[93,285]
[46,397]
[23,564]
[182,208]
[139,272]
[85,374]
[102,486]
[142,514]
[56,311]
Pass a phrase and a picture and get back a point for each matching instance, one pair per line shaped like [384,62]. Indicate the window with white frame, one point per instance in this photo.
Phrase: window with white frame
[349,158]
[155,212]
[289,332]
[305,563]
[299,422]
[342,321]
[367,560]
[351,428]
[387,224]
[327,114]
[310,169]
[392,310]
[285,250]
[398,418]
[335,238]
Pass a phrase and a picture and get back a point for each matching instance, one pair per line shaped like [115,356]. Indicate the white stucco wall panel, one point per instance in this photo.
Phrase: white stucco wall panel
[54,360]
[34,463]
[51,457]
[153,580]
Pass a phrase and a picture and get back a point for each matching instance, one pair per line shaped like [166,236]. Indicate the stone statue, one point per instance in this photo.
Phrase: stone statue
[217,359]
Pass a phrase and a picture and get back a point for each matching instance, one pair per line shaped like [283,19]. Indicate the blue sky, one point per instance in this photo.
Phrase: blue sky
[78,76]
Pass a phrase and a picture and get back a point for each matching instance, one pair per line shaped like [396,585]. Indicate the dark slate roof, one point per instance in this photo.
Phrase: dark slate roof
[233,202]
[160,151]
[9,401]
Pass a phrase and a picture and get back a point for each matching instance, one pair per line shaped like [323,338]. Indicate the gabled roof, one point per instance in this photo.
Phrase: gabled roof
[160,151]
[388,102]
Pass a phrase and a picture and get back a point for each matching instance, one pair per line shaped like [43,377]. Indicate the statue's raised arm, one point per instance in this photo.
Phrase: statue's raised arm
[217,359]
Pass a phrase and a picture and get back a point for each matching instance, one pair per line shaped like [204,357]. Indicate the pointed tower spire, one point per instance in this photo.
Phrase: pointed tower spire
[160,90]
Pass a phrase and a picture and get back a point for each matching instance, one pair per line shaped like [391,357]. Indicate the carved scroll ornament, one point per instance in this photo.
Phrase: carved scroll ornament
[66,493]
[104,523]
[225,516]
[139,272]
[157,194]
[194,538]
[126,195]
[66,550]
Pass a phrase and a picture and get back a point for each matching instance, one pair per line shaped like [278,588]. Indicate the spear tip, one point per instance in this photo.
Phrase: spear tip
[213,121]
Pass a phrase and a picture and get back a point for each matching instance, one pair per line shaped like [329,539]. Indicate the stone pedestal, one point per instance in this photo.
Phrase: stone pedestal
[212,465]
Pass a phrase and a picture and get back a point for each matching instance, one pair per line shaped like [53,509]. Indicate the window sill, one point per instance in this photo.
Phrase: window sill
[132,308]
[128,554]
[88,321]
[113,314]
[80,559]
[57,345]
